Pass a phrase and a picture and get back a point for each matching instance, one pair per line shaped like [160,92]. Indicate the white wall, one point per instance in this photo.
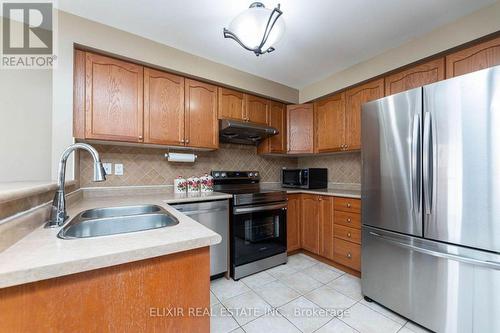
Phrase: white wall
[25,125]
[483,22]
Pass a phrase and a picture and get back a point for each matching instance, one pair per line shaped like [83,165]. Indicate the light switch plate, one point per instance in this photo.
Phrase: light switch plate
[119,169]
[108,168]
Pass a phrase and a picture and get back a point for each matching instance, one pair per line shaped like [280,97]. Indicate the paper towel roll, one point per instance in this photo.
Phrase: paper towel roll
[179,157]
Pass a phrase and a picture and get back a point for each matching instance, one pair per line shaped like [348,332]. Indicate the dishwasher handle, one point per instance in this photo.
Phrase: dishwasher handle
[201,211]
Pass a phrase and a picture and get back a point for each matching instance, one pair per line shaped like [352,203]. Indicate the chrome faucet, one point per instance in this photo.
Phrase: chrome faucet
[58,210]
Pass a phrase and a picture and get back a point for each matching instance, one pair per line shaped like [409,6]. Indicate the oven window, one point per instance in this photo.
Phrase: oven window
[258,235]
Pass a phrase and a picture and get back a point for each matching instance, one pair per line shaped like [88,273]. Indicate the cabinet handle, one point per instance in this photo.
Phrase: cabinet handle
[187,141]
[349,234]
[348,205]
[141,137]
[349,255]
[181,141]
[349,220]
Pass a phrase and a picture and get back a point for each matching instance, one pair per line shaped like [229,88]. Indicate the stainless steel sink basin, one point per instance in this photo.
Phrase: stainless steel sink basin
[116,220]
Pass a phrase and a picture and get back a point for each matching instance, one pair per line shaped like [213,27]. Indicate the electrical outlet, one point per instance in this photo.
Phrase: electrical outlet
[119,169]
[108,168]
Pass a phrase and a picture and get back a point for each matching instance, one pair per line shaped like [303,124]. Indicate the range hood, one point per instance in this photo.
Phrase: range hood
[242,132]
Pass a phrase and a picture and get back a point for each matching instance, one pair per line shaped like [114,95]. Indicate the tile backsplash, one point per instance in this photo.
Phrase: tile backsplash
[342,167]
[148,166]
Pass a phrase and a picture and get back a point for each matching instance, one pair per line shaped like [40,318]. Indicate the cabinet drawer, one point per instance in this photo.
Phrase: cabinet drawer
[346,233]
[351,220]
[347,253]
[348,205]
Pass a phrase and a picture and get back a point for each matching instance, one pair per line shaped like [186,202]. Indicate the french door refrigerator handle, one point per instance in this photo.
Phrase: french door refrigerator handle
[487,263]
[428,162]
[415,162]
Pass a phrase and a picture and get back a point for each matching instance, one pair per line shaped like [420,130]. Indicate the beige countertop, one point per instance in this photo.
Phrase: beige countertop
[41,255]
[340,191]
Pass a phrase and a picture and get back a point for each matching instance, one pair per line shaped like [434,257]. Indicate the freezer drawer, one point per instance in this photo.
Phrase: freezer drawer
[443,287]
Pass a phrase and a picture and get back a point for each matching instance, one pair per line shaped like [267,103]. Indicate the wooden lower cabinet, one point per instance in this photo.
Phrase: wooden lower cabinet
[293,222]
[324,230]
[132,297]
[310,213]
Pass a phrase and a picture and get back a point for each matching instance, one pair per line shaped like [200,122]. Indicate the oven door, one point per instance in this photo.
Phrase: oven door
[258,232]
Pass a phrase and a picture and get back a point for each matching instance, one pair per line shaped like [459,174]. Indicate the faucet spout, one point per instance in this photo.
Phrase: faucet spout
[58,213]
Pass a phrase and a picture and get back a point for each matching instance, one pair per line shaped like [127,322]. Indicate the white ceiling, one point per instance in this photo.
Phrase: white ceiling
[321,38]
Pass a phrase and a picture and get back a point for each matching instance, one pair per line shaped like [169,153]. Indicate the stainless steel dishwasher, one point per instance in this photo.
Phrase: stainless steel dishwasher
[215,216]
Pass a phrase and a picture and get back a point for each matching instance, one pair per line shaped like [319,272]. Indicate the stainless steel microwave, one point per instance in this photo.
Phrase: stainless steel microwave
[305,178]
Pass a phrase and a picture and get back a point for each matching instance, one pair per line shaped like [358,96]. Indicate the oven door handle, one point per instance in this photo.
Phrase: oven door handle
[244,210]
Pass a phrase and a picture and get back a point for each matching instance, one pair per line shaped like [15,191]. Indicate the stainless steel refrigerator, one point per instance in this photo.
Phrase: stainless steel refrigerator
[431,203]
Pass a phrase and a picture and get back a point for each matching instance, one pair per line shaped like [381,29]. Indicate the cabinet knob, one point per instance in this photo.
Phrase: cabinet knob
[181,141]
[349,234]
[349,255]
[349,219]
[348,205]
[141,137]
[187,141]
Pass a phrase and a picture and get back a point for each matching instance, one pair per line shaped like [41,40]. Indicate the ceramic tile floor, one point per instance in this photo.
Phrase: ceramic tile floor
[304,295]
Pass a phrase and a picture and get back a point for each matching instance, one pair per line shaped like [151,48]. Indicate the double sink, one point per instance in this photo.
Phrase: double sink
[117,220]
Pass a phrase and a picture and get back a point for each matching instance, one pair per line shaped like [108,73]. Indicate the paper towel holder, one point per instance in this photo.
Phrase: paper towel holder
[181,157]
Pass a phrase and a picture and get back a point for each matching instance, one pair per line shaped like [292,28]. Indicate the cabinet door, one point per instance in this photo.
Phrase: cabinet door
[277,119]
[330,123]
[293,222]
[300,128]
[355,98]
[202,129]
[113,99]
[310,223]
[231,104]
[326,227]
[163,108]
[474,58]
[257,109]
[417,76]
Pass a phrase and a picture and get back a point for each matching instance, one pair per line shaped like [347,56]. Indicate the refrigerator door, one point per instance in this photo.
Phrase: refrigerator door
[445,288]
[391,179]
[461,160]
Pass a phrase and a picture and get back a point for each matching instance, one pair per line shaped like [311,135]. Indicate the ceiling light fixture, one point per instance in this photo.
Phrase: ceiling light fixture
[257,28]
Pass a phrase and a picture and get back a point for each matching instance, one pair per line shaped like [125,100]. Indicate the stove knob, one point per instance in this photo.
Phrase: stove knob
[256,174]
[223,175]
[251,174]
[216,175]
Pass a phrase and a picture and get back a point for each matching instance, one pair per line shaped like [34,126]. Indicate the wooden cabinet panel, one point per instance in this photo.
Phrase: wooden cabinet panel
[326,227]
[115,299]
[231,104]
[79,95]
[310,223]
[163,108]
[348,205]
[474,58]
[355,98]
[300,127]
[347,254]
[256,109]
[277,118]
[417,76]
[201,115]
[352,220]
[330,123]
[346,233]
[293,222]
[113,99]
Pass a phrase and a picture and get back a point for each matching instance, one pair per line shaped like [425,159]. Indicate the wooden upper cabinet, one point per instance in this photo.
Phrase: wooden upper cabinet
[300,127]
[277,119]
[113,99]
[201,125]
[231,104]
[330,123]
[310,223]
[293,222]
[355,98]
[417,76]
[474,58]
[163,108]
[256,109]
